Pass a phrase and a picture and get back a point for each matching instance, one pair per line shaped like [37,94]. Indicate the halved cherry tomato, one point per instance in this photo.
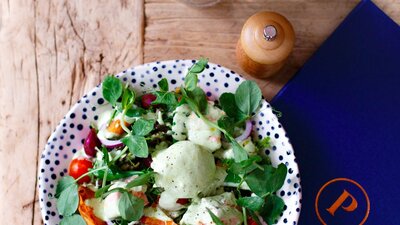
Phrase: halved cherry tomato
[78,167]
[115,127]
[153,221]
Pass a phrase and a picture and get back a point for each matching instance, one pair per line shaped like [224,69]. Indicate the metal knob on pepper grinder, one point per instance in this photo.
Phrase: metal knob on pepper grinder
[265,43]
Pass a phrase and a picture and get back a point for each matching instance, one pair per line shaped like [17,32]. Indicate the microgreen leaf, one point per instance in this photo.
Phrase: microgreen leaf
[112,89]
[68,201]
[106,157]
[264,143]
[128,98]
[196,99]
[266,181]
[143,127]
[227,123]
[199,66]
[166,98]
[137,145]
[130,207]
[272,209]
[140,180]
[248,97]
[101,191]
[228,104]
[163,84]
[191,81]
[215,218]
[245,166]
[73,220]
[115,175]
[135,112]
[238,151]
[63,183]
[253,202]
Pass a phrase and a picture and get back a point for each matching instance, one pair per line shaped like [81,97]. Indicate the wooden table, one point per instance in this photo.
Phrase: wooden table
[52,52]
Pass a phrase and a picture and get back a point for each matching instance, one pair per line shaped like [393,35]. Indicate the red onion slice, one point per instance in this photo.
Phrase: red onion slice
[111,143]
[246,133]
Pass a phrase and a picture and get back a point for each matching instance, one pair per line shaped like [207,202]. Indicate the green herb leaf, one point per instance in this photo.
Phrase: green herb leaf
[215,218]
[264,143]
[245,166]
[106,157]
[115,175]
[166,98]
[267,181]
[227,123]
[248,97]
[272,209]
[73,220]
[68,201]
[128,98]
[140,180]
[163,84]
[135,112]
[253,203]
[228,104]
[238,151]
[63,183]
[112,89]
[101,191]
[191,81]
[199,66]
[196,99]
[143,127]
[137,145]
[130,207]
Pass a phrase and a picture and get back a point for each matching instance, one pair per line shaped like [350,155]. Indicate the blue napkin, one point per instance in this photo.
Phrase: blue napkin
[342,114]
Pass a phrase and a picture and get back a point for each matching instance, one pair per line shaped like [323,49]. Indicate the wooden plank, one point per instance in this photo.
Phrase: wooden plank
[77,44]
[175,30]
[19,112]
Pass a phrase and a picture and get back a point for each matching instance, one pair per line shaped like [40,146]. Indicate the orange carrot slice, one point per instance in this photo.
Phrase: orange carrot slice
[86,211]
[116,128]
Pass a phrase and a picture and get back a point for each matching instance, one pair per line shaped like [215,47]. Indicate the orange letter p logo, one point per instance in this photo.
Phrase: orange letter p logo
[339,202]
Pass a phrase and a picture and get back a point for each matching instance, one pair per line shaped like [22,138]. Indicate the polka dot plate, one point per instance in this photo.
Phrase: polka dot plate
[215,80]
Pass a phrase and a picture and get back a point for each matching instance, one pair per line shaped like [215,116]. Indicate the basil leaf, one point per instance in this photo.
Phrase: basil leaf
[199,66]
[253,203]
[239,154]
[166,98]
[227,123]
[130,207]
[191,81]
[163,84]
[128,98]
[137,145]
[228,104]
[112,89]
[101,191]
[215,218]
[143,127]
[68,201]
[63,183]
[135,112]
[272,209]
[267,181]
[248,97]
[140,180]
[73,220]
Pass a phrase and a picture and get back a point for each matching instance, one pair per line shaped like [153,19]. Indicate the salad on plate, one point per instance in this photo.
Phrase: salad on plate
[173,157]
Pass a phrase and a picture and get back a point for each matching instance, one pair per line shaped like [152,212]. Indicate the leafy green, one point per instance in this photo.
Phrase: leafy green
[264,143]
[227,123]
[191,81]
[253,203]
[266,181]
[101,191]
[163,84]
[130,207]
[112,89]
[63,184]
[140,180]
[137,145]
[196,99]
[247,97]
[166,98]
[68,201]
[115,175]
[135,112]
[199,66]
[73,220]
[228,104]
[143,127]
[272,209]
[128,98]
[215,218]
[245,166]
[239,153]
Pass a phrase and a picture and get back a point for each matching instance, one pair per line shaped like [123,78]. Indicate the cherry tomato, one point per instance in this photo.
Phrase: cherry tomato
[250,221]
[78,167]
[147,99]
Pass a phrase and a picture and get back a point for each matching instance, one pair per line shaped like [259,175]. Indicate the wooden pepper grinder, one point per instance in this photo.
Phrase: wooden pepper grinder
[266,41]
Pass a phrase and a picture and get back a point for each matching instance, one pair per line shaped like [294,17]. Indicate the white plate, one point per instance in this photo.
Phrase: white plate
[215,80]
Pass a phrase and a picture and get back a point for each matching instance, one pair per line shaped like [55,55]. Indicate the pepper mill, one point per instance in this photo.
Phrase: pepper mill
[265,43]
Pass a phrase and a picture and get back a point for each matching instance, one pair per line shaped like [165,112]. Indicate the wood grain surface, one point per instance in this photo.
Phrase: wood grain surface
[52,52]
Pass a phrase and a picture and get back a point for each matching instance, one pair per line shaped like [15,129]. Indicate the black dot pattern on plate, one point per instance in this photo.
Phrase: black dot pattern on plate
[215,80]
